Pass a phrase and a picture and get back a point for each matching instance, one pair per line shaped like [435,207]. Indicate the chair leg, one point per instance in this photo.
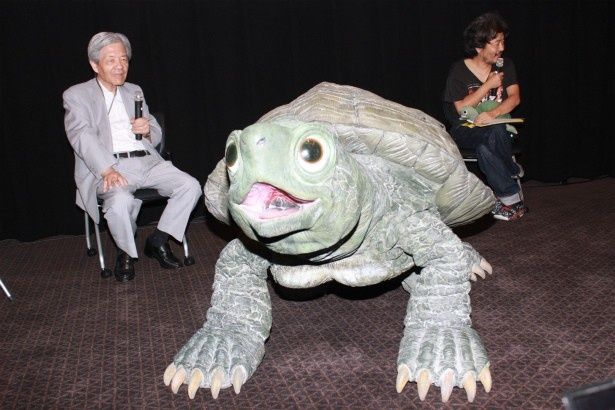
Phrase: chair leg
[188,259]
[520,188]
[104,272]
[89,250]
[6,290]
[518,181]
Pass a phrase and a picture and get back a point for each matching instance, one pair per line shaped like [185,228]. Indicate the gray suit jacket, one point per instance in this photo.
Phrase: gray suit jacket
[89,132]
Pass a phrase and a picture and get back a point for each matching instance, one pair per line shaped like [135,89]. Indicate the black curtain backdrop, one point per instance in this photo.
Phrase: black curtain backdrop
[216,66]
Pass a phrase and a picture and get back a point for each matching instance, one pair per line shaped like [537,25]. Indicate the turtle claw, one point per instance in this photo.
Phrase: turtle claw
[178,379]
[175,377]
[478,265]
[217,377]
[469,384]
[238,378]
[195,382]
[403,375]
[480,269]
[486,266]
[485,378]
[446,385]
[423,382]
[169,373]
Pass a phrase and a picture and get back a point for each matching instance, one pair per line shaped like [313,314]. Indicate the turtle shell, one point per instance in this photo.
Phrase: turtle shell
[369,124]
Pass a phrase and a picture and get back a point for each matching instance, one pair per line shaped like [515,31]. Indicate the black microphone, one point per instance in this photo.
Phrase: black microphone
[138,109]
[498,67]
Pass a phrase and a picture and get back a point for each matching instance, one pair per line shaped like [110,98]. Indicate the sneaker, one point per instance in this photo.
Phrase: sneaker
[508,212]
[498,205]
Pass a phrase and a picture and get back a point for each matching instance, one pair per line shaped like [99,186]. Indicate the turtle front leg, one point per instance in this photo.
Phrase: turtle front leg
[439,345]
[229,347]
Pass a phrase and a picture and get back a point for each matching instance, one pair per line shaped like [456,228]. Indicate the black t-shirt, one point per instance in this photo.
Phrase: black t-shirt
[461,82]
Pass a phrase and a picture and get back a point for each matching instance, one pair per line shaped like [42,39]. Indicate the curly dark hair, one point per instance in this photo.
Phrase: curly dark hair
[482,30]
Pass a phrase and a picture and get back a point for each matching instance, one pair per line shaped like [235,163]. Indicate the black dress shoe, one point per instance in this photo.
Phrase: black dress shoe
[124,267]
[163,254]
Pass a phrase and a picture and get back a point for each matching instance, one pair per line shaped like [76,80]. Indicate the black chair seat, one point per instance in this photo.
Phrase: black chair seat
[148,195]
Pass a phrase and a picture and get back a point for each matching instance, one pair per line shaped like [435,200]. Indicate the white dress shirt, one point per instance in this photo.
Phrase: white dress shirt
[123,138]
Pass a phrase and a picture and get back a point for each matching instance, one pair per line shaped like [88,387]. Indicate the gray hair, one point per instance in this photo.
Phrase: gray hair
[103,39]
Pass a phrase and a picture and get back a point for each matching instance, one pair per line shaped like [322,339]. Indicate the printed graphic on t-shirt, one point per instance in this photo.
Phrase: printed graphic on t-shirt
[495,94]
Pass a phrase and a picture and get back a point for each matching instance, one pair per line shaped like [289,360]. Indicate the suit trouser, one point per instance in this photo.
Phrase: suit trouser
[121,208]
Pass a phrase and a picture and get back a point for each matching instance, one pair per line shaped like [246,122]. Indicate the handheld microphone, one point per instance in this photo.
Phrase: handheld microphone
[498,68]
[138,110]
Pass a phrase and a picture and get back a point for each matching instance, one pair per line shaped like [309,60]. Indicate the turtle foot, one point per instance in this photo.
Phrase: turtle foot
[481,269]
[448,358]
[478,265]
[214,360]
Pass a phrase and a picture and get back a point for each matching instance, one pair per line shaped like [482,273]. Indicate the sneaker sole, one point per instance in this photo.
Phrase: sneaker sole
[515,217]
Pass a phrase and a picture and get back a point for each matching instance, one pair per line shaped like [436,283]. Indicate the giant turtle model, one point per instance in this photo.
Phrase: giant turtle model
[343,185]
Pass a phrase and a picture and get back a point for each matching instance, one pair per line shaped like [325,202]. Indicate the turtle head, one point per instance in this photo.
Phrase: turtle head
[291,186]
[468,113]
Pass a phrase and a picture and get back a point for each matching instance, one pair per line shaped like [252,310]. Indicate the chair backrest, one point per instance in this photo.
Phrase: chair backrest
[159,115]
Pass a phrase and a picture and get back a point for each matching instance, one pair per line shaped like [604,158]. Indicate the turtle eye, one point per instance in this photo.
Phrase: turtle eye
[311,150]
[230,157]
[313,154]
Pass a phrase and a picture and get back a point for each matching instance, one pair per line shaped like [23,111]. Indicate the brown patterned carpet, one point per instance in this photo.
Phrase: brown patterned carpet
[547,317]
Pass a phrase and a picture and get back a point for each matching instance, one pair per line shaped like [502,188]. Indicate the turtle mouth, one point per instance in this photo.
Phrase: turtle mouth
[265,202]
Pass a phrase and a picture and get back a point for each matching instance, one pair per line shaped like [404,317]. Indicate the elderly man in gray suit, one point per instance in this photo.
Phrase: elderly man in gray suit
[112,161]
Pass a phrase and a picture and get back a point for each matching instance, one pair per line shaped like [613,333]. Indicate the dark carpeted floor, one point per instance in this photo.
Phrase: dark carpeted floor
[547,317]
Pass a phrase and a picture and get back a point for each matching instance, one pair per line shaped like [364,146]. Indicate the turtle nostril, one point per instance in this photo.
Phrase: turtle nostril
[260,141]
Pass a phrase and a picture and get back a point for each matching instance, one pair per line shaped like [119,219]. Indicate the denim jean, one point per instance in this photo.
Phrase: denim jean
[493,148]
